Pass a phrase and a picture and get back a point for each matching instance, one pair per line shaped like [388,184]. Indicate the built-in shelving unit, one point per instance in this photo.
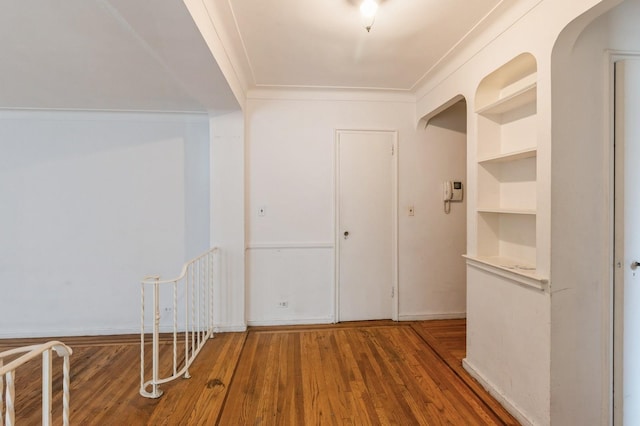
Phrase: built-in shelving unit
[506,107]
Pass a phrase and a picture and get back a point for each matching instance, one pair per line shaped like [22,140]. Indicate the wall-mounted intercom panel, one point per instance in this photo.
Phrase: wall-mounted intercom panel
[451,191]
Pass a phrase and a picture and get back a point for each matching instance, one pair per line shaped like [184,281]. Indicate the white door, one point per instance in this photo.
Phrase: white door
[627,244]
[366,225]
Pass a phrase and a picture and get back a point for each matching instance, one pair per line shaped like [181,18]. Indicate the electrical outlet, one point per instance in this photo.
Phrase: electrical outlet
[283,304]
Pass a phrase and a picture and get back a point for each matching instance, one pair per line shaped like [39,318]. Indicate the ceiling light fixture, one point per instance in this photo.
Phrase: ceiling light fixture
[368,10]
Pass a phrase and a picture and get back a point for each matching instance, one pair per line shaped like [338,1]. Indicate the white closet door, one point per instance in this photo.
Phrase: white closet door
[365,225]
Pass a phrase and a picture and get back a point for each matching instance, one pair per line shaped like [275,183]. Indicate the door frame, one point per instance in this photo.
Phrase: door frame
[394,218]
[615,301]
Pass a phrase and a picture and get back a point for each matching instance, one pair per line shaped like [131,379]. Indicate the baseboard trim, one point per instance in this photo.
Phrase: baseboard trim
[304,321]
[62,333]
[500,397]
[55,333]
[427,317]
[230,329]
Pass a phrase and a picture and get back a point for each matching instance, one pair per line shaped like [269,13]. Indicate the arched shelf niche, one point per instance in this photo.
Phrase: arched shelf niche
[506,108]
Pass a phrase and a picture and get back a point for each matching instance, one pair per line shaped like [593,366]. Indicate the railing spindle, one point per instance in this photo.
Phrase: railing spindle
[199,285]
[186,325]
[193,313]
[47,394]
[10,398]
[142,339]
[156,336]
[66,391]
[210,259]
[175,327]
[203,299]
[1,394]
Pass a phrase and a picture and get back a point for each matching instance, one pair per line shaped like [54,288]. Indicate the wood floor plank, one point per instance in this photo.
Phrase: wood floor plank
[447,339]
[374,360]
[370,373]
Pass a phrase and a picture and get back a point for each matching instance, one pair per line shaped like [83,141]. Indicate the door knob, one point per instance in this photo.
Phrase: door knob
[635,264]
[346,234]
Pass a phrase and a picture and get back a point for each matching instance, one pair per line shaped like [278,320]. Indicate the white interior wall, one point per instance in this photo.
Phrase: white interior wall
[291,156]
[227,218]
[291,174]
[432,269]
[91,203]
[508,342]
[581,223]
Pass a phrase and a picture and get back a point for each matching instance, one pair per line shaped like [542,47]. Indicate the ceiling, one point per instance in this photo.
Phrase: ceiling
[107,55]
[149,55]
[322,43]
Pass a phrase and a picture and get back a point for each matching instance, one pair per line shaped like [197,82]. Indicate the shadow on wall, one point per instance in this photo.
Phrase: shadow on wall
[453,118]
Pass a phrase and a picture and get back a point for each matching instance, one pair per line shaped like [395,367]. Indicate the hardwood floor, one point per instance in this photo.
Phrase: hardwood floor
[377,372]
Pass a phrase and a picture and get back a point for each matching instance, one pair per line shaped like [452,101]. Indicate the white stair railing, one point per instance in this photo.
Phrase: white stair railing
[8,375]
[194,290]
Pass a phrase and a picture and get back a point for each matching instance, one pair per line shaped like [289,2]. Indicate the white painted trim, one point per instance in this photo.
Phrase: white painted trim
[459,45]
[205,19]
[110,111]
[448,65]
[498,396]
[429,317]
[335,294]
[395,310]
[303,321]
[336,225]
[446,105]
[230,329]
[102,115]
[283,245]
[523,278]
[609,311]
[59,332]
[395,301]
[331,94]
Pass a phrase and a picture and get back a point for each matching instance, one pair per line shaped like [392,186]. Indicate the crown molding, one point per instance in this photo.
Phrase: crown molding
[497,21]
[102,115]
[330,94]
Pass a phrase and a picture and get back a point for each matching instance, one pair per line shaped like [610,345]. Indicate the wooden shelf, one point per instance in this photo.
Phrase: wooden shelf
[510,156]
[512,101]
[507,211]
[509,268]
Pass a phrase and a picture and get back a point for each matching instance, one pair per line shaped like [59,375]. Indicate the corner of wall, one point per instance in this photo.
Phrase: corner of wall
[227,216]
